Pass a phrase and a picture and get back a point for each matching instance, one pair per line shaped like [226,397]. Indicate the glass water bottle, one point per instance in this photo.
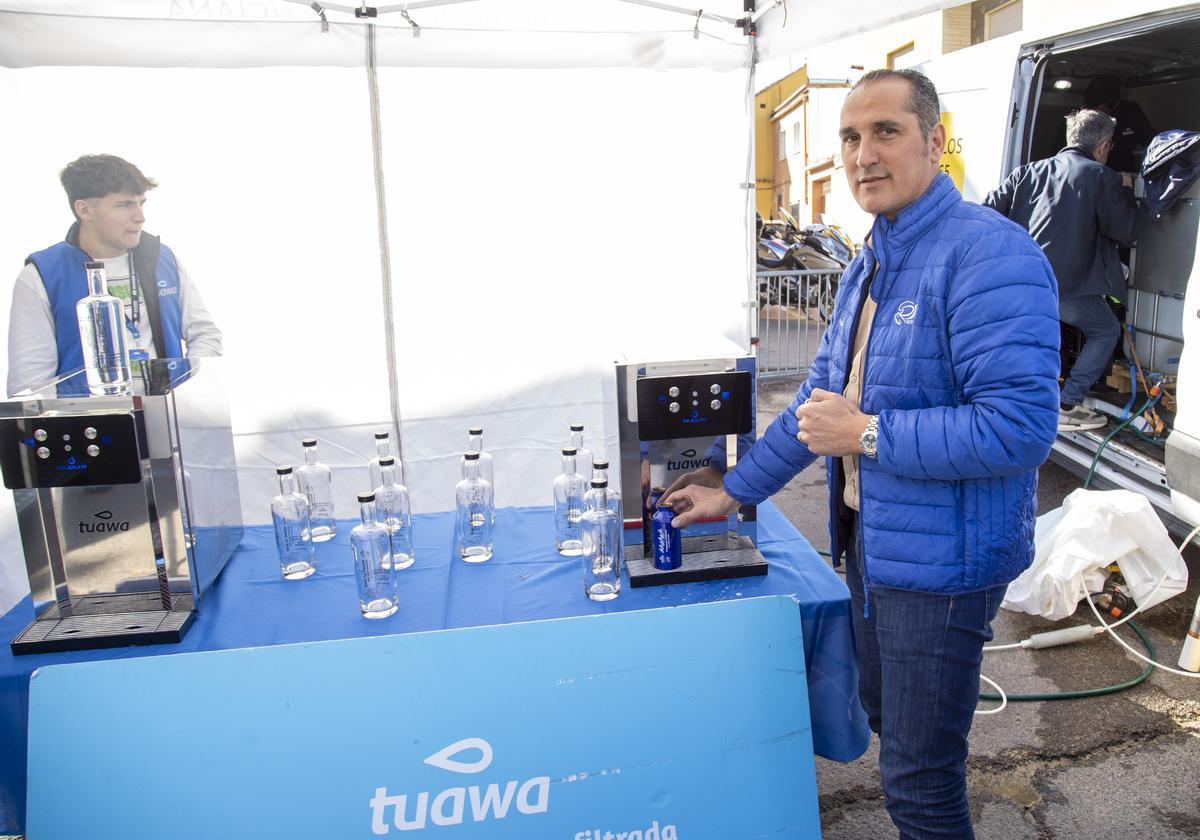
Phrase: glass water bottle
[487,470]
[568,506]
[583,455]
[316,483]
[289,512]
[102,333]
[394,512]
[474,513]
[383,449]
[602,545]
[372,562]
[613,496]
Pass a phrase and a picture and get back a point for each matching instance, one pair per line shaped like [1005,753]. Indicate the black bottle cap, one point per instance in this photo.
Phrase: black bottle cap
[366,497]
[658,489]
[309,442]
[381,435]
[475,430]
[570,450]
[386,461]
[283,469]
[576,427]
[471,456]
[92,265]
[599,483]
[600,465]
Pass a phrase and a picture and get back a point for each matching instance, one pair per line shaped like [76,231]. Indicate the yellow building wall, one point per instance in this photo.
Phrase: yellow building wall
[766,137]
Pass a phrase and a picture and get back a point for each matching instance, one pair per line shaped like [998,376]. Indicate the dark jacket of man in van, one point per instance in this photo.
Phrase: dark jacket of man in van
[1079,211]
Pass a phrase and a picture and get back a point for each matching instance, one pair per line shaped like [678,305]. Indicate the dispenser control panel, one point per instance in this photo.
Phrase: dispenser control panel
[70,451]
[695,405]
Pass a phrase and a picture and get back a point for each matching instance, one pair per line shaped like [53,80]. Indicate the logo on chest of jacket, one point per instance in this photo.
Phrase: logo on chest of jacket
[906,313]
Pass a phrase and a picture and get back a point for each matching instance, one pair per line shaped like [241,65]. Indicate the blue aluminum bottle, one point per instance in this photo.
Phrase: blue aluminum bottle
[667,541]
[648,511]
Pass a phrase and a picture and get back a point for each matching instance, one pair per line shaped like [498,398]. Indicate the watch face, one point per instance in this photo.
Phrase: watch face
[867,441]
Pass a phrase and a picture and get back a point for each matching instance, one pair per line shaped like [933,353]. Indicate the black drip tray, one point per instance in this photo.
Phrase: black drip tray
[103,621]
[721,564]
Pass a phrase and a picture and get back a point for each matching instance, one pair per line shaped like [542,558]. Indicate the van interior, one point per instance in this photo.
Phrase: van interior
[1159,74]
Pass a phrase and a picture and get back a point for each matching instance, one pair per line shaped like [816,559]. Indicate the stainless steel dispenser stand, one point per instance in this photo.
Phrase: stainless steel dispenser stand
[675,417]
[127,505]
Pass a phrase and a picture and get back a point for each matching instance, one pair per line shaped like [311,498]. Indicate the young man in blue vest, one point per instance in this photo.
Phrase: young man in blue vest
[164,314]
[934,398]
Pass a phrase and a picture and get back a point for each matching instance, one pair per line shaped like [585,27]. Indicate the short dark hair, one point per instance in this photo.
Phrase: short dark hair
[1102,90]
[922,97]
[95,176]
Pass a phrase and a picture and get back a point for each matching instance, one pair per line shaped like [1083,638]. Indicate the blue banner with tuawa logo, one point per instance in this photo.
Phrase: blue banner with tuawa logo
[684,723]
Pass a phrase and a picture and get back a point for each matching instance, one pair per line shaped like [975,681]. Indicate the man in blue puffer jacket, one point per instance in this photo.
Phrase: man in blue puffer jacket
[934,397]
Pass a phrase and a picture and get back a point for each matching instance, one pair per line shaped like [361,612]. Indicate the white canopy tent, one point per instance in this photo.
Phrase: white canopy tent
[442,216]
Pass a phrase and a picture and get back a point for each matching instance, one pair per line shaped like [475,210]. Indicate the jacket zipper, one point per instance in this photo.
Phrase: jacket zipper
[862,395]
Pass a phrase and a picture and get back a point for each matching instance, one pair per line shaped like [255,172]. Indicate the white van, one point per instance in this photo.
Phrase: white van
[998,119]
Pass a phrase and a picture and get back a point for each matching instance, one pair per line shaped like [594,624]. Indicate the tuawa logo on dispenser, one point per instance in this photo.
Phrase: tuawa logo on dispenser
[104,526]
[687,461]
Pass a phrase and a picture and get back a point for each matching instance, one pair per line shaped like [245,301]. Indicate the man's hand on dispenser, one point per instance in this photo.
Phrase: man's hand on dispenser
[696,501]
[705,477]
[830,424]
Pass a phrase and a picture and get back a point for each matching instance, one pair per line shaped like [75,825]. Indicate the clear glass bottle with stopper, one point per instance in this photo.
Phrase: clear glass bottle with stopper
[101,320]
[373,571]
[289,513]
[602,545]
[612,494]
[583,455]
[383,449]
[474,513]
[487,467]
[568,506]
[395,513]
[316,483]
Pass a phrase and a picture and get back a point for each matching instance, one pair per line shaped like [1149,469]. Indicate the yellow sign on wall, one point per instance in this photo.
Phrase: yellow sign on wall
[952,153]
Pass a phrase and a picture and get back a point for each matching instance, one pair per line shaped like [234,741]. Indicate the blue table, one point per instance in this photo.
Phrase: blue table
[252,606]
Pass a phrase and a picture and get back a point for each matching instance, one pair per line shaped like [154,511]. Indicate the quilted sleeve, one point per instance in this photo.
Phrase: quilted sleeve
[778,455]
[1003,332]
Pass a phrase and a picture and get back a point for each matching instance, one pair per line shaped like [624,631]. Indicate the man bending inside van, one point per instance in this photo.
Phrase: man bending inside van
[163,311]
[1078,210]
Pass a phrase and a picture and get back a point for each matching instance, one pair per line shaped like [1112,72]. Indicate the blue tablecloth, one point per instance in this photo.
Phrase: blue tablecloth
[526,580]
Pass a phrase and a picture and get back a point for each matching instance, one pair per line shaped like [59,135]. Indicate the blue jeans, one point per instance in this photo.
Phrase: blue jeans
[919,656]
[1101,331]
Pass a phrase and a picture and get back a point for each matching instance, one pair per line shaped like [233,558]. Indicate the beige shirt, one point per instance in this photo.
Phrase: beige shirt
[853,391]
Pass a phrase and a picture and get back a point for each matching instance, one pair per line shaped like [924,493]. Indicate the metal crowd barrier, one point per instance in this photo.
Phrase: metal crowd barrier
[793,309]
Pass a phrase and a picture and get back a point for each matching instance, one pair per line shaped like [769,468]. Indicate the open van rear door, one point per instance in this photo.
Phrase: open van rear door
[1171,479]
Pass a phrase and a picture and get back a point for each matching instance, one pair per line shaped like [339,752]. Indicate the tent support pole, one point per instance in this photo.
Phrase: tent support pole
[385,257]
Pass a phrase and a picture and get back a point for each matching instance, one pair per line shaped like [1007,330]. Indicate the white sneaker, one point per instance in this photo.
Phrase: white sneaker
[1080,419]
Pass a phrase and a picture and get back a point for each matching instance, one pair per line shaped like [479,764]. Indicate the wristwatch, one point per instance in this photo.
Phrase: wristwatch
[869,439]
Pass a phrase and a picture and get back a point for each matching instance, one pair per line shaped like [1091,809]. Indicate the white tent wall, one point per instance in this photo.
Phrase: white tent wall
[571,214]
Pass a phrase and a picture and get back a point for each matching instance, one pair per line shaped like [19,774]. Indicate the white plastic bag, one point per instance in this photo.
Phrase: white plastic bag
[1091,530]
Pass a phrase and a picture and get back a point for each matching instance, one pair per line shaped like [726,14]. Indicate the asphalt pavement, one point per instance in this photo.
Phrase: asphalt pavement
[1122,765]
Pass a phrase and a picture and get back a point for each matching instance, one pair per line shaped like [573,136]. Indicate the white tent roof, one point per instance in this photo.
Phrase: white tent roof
[469,33]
